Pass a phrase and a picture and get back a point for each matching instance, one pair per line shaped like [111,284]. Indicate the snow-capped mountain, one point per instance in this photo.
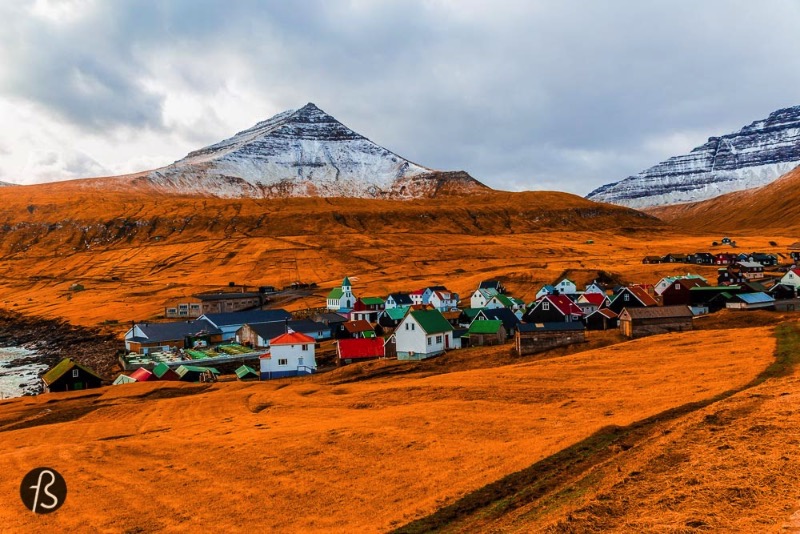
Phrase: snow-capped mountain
[304,153]
[754,156]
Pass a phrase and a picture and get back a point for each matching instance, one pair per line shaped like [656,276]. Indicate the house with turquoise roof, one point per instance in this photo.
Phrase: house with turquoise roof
[341,299]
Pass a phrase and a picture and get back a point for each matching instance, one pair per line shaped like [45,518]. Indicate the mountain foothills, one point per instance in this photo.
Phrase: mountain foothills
[300,153]
[754,156]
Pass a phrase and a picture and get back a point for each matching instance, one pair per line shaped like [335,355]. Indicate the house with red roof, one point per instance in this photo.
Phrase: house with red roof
[591,302]
[553,309]
[791,278]
[143,375]
[290,354]
[358,350]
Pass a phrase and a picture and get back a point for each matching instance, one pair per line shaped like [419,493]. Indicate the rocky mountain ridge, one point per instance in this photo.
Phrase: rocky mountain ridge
[303,153]
[754,156]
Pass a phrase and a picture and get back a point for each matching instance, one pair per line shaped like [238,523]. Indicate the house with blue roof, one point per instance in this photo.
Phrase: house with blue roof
[750,301]
[158,337]
[229,323]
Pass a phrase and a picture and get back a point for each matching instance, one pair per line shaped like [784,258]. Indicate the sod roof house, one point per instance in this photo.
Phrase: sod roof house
[423,334]
[69,375]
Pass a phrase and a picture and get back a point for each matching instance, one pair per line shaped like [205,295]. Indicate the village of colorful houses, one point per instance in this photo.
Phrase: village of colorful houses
[226,328]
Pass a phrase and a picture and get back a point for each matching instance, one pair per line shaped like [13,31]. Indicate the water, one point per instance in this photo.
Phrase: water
[22,374]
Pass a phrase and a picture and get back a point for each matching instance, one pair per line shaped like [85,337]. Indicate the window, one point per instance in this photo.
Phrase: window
[305,347]
[283,361]
[677,286]
[412,326]
[407,326]
[438,339]
[75,373]
[626,297]
[430,341]
[546,306]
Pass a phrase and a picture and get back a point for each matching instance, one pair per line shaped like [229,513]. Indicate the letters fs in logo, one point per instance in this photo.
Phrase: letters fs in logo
[43,490]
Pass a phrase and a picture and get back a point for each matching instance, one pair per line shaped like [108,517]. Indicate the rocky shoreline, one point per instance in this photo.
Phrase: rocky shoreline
[54,339]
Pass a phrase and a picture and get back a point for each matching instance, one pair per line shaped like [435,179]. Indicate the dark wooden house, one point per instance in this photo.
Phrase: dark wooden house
[553,309]
[538,337]
[677,293]
[601,319]
[631,297]
[640,322]
[69,375]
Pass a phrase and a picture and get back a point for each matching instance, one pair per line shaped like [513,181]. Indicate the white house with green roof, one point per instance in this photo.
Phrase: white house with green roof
[481,297]
[423,334]
[504,301]
[341,299]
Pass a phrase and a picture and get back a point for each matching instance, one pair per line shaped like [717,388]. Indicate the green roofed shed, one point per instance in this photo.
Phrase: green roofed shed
[485,327]
[165,372]
[246,373]
[397,314]
[376,301]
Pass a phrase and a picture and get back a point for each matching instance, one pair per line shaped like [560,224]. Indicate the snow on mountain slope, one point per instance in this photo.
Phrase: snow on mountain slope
[754,156]
[303,153]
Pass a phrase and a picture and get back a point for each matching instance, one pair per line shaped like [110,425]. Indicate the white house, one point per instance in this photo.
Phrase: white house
[422,334]
[481,297]
[547,289]
[594,288]
[566,287]
[342,298]
[398,300]
[443,300]
[791,278]
[504,301]
[290,354]
[667,281]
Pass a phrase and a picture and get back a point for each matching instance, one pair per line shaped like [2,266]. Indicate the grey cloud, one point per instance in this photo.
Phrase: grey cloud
[563,93]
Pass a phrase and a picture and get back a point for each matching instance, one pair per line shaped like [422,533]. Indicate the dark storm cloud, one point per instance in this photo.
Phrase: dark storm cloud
[562,94]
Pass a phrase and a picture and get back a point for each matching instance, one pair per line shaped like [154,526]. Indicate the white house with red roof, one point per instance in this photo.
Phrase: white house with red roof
[443,300]
[791,278]
[591,302]
[290,354]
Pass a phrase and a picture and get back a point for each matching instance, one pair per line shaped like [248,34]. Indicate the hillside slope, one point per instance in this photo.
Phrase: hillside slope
[134,253]
[305,456]
[775,206]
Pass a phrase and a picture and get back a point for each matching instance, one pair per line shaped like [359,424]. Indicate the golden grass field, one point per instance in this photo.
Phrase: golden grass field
[307,455]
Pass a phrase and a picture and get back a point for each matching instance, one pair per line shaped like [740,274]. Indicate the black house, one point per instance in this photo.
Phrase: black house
[68,375]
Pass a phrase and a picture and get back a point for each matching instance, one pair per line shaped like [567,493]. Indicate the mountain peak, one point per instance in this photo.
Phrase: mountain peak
[754,156]
[305,152]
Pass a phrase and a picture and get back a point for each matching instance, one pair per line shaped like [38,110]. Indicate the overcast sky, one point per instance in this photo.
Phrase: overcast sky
[563,95]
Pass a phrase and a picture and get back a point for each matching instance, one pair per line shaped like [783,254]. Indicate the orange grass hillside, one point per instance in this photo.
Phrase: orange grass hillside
[364,457]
